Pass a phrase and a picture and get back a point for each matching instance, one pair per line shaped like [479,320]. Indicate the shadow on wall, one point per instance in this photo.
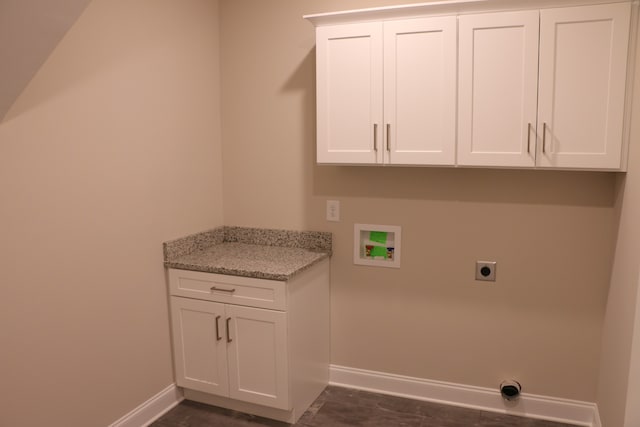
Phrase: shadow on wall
[570,188]
[30,30]
[303,80]
[101,50]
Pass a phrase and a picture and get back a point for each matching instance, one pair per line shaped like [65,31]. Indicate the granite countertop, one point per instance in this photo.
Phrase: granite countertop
[249,252]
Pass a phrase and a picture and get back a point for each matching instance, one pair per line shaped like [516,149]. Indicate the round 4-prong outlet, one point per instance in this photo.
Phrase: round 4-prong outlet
[486,270]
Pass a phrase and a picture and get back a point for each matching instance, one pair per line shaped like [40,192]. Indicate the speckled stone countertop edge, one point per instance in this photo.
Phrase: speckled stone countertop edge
[254,274]
[193,252]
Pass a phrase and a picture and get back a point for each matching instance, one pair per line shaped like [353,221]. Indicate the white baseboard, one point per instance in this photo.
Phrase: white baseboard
[529,405]
[152,409]
[596,418]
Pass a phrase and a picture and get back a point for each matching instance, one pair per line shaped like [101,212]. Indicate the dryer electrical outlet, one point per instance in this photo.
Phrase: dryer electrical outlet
[486,270]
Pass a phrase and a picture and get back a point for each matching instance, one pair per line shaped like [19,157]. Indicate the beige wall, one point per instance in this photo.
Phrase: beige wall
[552,233]
[619,385]
[113,148]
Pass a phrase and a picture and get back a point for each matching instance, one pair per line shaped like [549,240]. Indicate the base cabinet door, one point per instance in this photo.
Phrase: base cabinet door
[257,356]
[200,353]
[231,351]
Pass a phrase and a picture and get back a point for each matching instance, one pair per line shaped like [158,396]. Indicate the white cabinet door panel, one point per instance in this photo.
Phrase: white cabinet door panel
[258,362]
[535,88]
[349,93]
[420,91]
[583,62]
[199,348]
[498,63]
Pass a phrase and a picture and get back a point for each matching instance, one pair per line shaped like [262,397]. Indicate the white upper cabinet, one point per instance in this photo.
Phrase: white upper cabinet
[349,93]
[386,92]
[498,89]
[583,65]
[419,91]
[470,83]
[568,116]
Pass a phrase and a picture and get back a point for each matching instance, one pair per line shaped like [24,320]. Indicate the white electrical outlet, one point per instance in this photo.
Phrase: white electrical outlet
[333,210]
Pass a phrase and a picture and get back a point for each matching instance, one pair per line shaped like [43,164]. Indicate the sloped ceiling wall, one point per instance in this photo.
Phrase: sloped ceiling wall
[29,31]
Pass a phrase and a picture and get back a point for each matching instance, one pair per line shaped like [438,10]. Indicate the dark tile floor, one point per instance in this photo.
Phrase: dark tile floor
[342,407]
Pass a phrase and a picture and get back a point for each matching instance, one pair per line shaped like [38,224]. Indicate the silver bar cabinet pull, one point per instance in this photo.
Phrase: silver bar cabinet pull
[388,136]
[228,334]
[218,337]
[528,138]
[544,137]
[375,137]
[213,288]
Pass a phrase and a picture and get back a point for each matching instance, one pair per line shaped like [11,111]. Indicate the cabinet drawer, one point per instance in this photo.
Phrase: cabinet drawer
[228,289]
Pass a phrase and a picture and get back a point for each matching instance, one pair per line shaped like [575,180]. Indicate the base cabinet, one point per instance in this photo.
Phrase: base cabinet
[270,359]
[233,351]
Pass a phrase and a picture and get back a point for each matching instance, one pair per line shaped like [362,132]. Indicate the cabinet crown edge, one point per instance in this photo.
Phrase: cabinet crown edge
[449,7]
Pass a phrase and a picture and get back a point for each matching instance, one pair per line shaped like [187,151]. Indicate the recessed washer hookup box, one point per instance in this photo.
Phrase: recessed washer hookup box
[377,245]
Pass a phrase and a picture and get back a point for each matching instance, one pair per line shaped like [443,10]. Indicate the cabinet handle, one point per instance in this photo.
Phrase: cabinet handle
[528,138]
[388,136]
[218,337]
[375,137]
[213,288]
[544,137]
[228,334]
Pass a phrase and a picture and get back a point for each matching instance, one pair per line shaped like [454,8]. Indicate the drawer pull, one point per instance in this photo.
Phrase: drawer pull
[218,337]
[228,334]
[213,288]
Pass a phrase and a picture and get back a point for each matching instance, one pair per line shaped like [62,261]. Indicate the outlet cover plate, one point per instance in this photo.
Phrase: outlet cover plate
[333,210]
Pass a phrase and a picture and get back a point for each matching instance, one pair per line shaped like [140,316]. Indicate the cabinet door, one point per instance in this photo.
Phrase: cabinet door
[420,91]
[200,354]
[258,362]
[583,63]
[349,93]
[497,98]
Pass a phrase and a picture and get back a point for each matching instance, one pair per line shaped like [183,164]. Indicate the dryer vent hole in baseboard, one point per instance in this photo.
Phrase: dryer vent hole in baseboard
[510,389]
